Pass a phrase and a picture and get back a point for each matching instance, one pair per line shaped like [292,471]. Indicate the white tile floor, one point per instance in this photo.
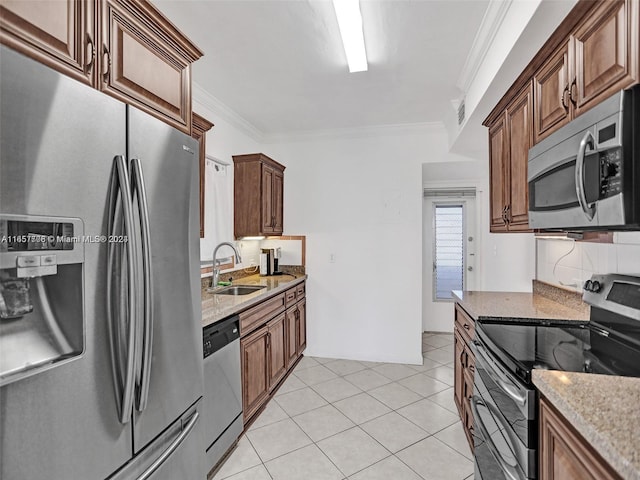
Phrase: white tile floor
[343,419]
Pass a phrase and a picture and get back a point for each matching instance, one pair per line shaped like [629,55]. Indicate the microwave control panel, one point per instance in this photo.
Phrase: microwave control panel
[610,172]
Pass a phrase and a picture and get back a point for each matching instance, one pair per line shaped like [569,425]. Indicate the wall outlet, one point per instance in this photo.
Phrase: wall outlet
[332,258]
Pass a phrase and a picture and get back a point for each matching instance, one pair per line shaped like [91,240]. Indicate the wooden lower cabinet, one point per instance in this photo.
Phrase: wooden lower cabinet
[564,453]
[254,350]
[272,340]
[464,368]
[277,350]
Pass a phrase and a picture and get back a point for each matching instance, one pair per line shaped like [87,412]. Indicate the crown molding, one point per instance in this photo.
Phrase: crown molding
[229,115]
[491,22]
[356,132]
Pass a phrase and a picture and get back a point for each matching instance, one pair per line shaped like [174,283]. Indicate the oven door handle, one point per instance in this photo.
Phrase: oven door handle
[501,380]
[589,210]
[510,471]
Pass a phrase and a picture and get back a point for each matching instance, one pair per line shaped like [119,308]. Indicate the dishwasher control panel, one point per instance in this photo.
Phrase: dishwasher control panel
[220,334]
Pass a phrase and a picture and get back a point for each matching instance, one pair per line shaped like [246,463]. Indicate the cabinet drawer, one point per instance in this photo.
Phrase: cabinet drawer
[465,323]
[290,297]
[300,291]
[259,314]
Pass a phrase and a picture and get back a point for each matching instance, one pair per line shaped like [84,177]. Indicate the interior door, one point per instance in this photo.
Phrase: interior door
[170,167]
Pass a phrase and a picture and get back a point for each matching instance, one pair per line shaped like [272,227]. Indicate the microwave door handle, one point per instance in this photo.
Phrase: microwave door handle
[510,471]
[123,371]
[137,181]
[588,210]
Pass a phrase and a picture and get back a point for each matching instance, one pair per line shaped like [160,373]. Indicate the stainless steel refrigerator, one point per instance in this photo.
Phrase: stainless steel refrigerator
[100,332]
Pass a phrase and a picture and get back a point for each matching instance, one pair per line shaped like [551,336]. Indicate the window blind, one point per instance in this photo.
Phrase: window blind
[448,263]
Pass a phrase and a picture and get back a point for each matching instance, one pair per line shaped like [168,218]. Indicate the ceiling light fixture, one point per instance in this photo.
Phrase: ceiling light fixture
[350,23]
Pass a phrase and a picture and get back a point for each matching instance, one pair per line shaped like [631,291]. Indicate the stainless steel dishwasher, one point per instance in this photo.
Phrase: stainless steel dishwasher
[222,412]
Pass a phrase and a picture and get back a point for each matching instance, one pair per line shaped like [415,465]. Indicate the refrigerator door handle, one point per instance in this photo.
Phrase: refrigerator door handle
[171,448]
[137,183]
[123,370]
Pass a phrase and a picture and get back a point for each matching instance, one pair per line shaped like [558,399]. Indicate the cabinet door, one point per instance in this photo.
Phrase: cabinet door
[291,323]
[518,119]
[141,64]
[278,202]
[302,326]
[458,369]
[267,199]
[468,414]
[255,371]
[551,94]
[497,175]
[278,361]
[564,454]
[607,50]
[199,128]
[60,34]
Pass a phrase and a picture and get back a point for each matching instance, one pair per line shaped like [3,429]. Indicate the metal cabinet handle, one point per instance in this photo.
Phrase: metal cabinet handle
[92,49]
[573,96]
[171,448]
[122,363]
[107,67]
[137,182]
[588,210]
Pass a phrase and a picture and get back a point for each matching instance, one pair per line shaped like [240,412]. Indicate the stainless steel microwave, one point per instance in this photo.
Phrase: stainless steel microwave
[586,175]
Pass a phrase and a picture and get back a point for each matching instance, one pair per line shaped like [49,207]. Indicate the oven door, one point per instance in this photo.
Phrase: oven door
[505,421]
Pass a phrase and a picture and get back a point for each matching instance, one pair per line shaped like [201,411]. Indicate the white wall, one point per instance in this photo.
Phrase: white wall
[223,141]
[360,200]
[569,264]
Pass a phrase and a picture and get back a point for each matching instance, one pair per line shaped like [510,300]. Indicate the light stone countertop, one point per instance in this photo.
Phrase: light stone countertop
[604,409]
[519,307]
[218,307]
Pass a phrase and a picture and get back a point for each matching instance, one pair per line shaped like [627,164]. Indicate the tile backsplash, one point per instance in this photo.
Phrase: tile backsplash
[569,264]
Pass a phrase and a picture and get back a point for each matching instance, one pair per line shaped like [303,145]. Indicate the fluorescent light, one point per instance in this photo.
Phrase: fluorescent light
[253,238]
[350,23]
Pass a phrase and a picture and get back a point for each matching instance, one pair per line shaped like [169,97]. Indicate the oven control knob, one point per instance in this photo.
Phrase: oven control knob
[596,286]
[588,285]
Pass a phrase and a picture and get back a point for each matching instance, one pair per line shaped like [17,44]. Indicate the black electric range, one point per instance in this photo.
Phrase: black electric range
[608,344]
[504,404]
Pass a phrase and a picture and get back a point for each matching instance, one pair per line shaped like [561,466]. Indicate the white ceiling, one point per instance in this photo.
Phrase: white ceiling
[279,64]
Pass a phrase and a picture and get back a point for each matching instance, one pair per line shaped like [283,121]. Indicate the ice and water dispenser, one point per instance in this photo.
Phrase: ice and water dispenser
[41,294]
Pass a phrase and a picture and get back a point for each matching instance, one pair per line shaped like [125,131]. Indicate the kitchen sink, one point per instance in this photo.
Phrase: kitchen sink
[236,290]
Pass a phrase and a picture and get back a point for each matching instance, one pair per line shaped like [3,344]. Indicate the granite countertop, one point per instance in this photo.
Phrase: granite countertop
[217,307]
[604,409]
[521,307]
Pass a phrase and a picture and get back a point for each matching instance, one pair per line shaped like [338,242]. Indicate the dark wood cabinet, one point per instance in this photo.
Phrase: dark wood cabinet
[126,48]
[60,34]
[592,54]
[464,369]
[278,358]
[199,128]
[146,61]
[258,195]
[564,453]
[551,93]
[272,340]
[254,350]
[509,143]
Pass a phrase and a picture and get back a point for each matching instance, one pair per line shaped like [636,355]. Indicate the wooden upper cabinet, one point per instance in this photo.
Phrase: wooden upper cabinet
[606,53]
[258,195]
[60,34]
[125,48]
[145,61]
[497,174]
[551,93]
[518,119]
[199,128]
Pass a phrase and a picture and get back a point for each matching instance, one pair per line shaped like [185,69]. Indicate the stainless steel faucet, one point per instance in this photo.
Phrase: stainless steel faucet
[216,270]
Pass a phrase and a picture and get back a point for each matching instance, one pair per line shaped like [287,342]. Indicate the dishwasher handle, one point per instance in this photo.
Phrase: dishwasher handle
[220,334]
